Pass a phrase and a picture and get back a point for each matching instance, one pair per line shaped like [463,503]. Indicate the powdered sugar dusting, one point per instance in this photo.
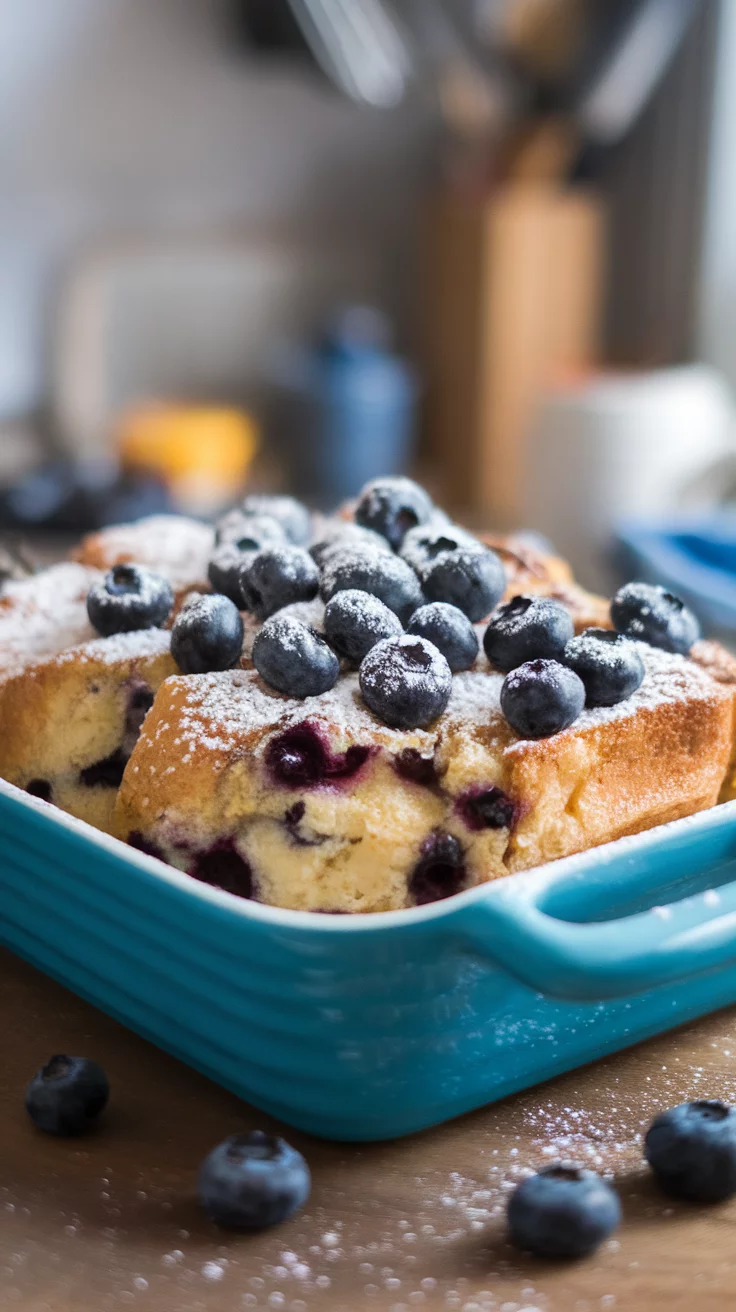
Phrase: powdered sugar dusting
[140,643]
[221,709]
[42,615]
[310,613]
[173,545]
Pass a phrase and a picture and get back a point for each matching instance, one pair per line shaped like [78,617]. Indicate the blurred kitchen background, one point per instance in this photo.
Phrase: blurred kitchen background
[298,243]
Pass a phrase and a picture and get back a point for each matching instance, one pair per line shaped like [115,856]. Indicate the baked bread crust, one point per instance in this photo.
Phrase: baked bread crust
[71,703]
[174,546]
[201,780]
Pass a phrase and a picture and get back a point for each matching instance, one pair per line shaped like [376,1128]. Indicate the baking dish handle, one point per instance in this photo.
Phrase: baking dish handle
[610,959]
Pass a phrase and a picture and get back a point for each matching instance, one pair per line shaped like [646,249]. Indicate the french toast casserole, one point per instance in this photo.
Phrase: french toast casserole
[362,713]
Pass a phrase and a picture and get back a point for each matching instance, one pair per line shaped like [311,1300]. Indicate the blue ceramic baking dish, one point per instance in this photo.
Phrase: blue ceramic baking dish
[372,1027]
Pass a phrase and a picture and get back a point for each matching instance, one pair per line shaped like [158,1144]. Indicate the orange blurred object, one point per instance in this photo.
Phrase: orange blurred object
[202,452]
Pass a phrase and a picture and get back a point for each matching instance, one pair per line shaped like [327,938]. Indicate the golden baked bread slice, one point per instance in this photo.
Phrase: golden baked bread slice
[318,805]
[71,703]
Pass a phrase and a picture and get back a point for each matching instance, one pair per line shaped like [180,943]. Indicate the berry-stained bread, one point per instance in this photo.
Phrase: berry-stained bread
[318,804]
[367,712]
[71,702]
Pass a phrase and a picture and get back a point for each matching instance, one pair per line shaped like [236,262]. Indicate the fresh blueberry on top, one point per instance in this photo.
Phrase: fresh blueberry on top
[129,597]
[294,518]
[67,1095]
[391,506]
[337,534]
[292,658]
[692,1150]
[367,570]
[469,577]
[562,1212]
[540,698]
[526,628]
[224,568]
[650,613]
[207,634]
[252,1181]
[249,532]
[450,631]
[276,577]
[422,545]
[406,682]
[608,664]
[355,621]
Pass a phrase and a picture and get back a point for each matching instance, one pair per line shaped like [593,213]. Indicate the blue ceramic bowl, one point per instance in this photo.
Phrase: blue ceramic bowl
[369,1027]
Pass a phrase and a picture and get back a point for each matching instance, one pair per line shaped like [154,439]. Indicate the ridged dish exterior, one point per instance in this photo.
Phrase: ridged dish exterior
[362,1029]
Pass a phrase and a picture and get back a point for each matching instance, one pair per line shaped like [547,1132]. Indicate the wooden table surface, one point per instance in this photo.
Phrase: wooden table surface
[110,1221]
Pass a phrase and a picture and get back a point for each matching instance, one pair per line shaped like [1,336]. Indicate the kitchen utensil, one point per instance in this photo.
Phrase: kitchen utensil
[369,1027]
[360,46]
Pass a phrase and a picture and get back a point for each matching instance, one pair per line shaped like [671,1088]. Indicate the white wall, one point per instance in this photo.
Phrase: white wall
[132,116]
[717,310]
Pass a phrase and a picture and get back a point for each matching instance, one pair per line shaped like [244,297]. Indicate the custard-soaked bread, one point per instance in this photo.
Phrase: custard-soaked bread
[317,804]
[71,703]
[176,547]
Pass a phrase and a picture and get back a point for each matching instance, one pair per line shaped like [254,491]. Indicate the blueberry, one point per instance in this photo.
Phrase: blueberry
[207,635]
[294,518]
[223,867]
[540,698]
[391,506]
[299,758]
[224,569]
[248,532]
[292,658]
[649,612]
[469,577]
[564,1211]
[449,629]
[276,577]
[252,1181]
[367,570]
[527,628]
[355,621]
[422,545]
[406,682]
[486,808]
[608,664]
[336,534]
[130,597]
[440,871]
[692,1150]
[67,1095]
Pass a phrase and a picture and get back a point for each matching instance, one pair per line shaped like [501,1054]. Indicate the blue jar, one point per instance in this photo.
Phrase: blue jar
[352,411]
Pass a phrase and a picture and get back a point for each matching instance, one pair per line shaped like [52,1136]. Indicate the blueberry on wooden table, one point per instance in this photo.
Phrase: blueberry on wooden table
[563,1212]
[692,1150]
[252,1181]
[67,1095]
